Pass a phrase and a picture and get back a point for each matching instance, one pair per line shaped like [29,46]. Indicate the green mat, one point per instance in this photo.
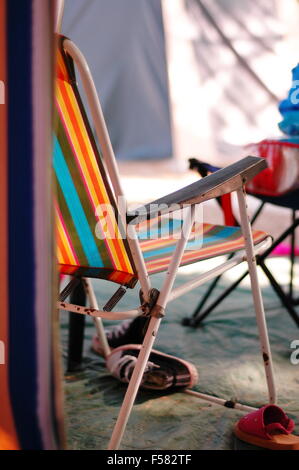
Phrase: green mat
[225,351]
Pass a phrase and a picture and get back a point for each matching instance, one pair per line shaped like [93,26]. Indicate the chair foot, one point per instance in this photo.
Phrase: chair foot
[193,322]
[76,331]
[74,366]
[186,321]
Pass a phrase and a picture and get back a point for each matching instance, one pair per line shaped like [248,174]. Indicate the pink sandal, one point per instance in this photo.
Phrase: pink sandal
[268,427]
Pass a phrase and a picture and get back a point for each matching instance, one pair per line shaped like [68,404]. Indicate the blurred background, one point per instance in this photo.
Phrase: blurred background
[186,78]
[226,61]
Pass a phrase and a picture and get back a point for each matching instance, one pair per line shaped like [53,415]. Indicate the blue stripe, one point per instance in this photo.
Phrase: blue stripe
[169,227]
[160,251]
[22,358]
[75,207]
[221,236]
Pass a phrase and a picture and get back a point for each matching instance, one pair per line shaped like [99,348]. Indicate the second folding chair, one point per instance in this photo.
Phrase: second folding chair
[288,200]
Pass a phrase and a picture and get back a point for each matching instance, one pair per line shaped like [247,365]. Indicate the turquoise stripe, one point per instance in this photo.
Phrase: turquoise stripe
[169,227]
[221,236]
[75,207]
[158,252]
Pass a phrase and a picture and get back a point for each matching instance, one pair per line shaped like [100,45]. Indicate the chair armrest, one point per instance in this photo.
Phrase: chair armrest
[221,182]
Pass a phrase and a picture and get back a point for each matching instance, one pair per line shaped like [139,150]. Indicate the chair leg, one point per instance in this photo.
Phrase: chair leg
[77,322]
[292,257]
[286,301]
[257,298]
[151,334]
[97,321]
[134,384]
[198,316]
[195,319]
[76,330]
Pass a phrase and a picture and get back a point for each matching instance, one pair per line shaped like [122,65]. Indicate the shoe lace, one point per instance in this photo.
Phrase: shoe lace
[125,366]
[118,330]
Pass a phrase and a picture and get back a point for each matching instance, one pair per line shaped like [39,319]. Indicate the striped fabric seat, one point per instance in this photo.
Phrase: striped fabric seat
[87,220]
[158,240]
[88,226]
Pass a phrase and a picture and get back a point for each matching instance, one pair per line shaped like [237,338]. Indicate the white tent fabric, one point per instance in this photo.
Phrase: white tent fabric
[123,42]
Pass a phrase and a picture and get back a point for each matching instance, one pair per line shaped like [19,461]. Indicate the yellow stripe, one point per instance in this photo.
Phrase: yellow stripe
[63,238]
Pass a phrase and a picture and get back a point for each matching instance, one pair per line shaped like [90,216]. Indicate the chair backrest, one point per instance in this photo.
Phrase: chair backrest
[89,231]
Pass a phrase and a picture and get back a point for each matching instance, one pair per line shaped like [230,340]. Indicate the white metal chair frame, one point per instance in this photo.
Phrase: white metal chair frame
[233,179]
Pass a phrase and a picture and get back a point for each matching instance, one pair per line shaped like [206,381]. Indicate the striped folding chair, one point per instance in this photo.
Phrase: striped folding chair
[98,238]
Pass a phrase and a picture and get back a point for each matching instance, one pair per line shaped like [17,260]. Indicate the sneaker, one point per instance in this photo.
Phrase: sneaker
[163,372]
[126,332]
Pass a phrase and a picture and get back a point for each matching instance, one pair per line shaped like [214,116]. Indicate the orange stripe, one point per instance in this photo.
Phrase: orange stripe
[61,70]
[115,276]
[64,242]
[62,256]
[59,254]
[66,269]
[159,264]
[120,277]
[8,436]
[148,245]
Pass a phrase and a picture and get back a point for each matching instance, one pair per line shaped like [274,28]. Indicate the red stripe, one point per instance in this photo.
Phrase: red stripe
[160,264]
